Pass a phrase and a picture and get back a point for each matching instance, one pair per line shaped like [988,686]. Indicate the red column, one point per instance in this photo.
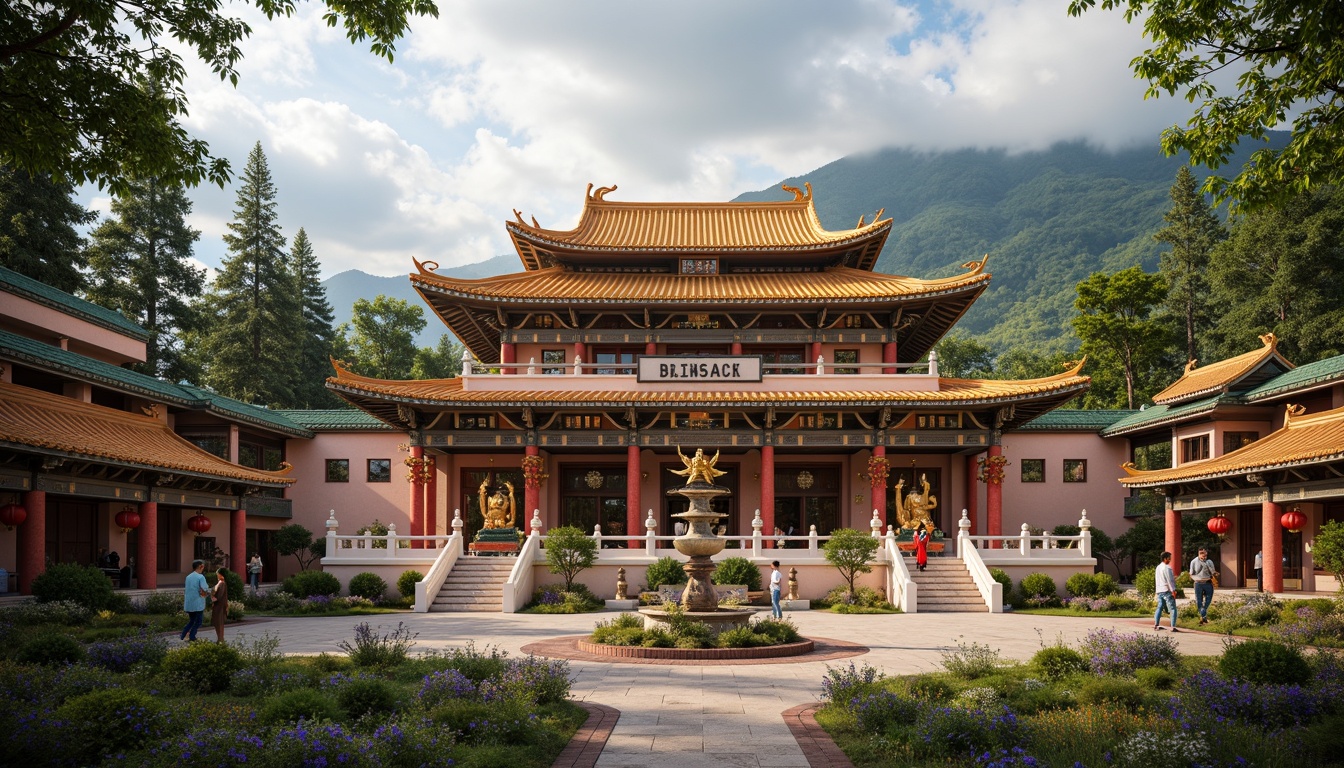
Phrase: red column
[531,494]
[650,348]
[417,491]
[816,352]
[633,476]
[736,349]
[994,502]
[889,356]
[972,490]
[147,551]
[431,522]
[768,494]
[507,354]
[1271,544]
[1172,542]
[238,542]
[32,540]
[580,351]
[879,489]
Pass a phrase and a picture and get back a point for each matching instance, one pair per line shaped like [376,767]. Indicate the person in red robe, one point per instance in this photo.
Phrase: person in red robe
[921,548]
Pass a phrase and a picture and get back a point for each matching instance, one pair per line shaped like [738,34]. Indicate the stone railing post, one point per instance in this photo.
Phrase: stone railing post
[578,365]
[963,532]
[467,364]
[1085,546]
[933,362]
[332,549]
[876,525]
[391,540]
[821,365]
[756,525]
[535,525]
[457,523]
[650,544]
[812,538]
[1026,540]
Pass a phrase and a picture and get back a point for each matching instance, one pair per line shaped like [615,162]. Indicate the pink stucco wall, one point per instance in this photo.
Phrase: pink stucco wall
[1055,502]
[28,318]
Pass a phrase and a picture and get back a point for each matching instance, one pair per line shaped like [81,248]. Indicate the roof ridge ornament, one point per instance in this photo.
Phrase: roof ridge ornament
[798,196]
[1292,412]
[599,195]
[975,267]
[426,267]
[1131,469]
[1190,364]
[1269,340]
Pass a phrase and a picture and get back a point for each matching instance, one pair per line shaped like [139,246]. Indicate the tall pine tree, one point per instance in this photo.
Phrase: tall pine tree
[316,341]
[251,350]
[139,262]
[38,238]
[1192,231]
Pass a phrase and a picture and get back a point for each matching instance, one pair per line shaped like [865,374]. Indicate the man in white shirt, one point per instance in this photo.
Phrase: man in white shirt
[1166,592]
[776,584]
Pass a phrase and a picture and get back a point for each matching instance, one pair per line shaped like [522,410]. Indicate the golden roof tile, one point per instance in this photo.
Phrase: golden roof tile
[1216,377]
[36,419]
[1303,439]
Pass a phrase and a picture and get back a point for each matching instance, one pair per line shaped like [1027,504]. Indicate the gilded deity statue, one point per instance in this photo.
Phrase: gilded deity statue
[913,511]
[698,466]
[499,510]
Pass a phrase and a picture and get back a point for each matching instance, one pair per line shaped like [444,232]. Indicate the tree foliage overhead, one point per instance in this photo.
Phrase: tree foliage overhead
[383,342]
[1192,231]
[1119,331]
[90,90]
[38,218]
[1288,58]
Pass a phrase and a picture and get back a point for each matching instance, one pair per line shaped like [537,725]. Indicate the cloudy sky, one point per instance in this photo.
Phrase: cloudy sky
[504,104]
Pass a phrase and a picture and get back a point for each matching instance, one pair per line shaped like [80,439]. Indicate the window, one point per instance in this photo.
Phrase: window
[249,455]
[338,470]
[380,470]
[216,444]
[699,266]
[594,495]
[1075,470]
[1235,440]
[584,422]
[786,360]
[843,356]
[620,359]
[553,357]
[475,421]
[854,321]
[543,321]
[940,421]
[1194,449]
[1033,470]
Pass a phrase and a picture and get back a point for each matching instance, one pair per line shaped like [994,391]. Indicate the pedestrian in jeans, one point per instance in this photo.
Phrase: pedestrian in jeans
[1166,592]
[194,593]
[776,583]
[1259,572]
[1202,571]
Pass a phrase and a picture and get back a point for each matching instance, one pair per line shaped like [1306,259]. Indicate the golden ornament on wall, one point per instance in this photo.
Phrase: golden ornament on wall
[805,479]
[593,479]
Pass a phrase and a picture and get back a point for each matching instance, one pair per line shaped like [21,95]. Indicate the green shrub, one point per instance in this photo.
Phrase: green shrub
[863,597]
[204,666]
[305,703]
[1145,581]
[120,602]
[98,724]
[481,723]
[51,649]
[1038,585]
[778,630]
[569,551]
[930,689]
[1090,585]
[365,696]
[1001,576]
[668,570]
[657,637]
[741,637]
[369,585]
[406,583]
[371,649]
[1263,661]
[1105,584]
[82,584]
[309,583]
[738,570]
[1057,662]
[971,660]
[162,603]
[1111,690]
[1183,578]
[1156,678]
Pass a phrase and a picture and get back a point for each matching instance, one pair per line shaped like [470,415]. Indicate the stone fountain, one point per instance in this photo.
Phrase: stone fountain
[700,543]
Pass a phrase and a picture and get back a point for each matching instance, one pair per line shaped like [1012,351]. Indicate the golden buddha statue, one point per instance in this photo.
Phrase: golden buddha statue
[913,511]
[698,466]
[498,510]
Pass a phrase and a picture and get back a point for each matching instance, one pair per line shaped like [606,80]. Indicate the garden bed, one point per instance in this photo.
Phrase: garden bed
[799,648]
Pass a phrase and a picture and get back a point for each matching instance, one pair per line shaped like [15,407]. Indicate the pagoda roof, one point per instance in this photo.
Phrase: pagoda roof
[1247,369]
[40,421]
[1303,439]
[392,400]
[38,291]
[764,228]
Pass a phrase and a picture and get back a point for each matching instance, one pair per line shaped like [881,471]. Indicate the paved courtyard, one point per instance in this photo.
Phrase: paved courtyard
[688,715]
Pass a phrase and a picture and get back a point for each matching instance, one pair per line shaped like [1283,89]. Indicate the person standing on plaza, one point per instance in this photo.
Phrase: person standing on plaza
[194,593]
[254,572]
[220,611]
[1259,572]
[776,584]
[1202,571]
[1165,585]
[921,548]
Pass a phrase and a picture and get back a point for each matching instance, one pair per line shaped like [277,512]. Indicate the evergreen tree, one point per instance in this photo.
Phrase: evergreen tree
[316,340]
[139,262]
[383,343]
[38,218]
[963,357]
[1192,231]
[250,351]
[442,361]
[1119,333]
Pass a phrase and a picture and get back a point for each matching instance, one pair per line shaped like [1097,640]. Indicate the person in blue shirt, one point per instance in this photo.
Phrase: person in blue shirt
[194,593]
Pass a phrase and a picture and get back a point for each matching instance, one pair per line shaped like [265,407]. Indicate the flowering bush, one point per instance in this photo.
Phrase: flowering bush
[121,654]
[1310,628]
[970,661]
[1206,697]
[978,698]
[1113,653]
[876,712]
[373,650]
[841,685]
[1089,604]
[64,612]
[1146,748]
[955,732]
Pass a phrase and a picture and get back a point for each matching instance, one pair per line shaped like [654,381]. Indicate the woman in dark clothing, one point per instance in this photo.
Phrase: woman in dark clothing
[221,608]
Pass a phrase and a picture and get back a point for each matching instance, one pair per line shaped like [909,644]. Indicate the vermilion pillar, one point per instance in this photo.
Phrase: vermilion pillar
[147,549]
[889,356]
[816,353]
[879,495]
[531,493]
[1172,542]
[580,352]
[736,348]
[507,354]
[431,521]
[972,490]
[768,494]
[1271,542]
[417,491]
[650,348]
[32,540]
[633,477]
[994,502]
[238,541]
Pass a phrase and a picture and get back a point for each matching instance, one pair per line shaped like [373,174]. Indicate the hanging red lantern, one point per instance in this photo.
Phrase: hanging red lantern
[199,523]
[12,515]
[1293,520]
[1219,525]
[127,519]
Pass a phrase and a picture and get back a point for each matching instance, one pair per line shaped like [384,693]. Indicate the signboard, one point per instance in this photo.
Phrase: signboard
[725,368]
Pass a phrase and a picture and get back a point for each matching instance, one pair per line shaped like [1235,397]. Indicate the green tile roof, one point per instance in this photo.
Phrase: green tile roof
[1161,414]
[35,290]
[1072,419]
[337,420]
[1303,377]
[51,358]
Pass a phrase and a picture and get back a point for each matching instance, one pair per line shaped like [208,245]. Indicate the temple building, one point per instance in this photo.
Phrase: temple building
[746,329]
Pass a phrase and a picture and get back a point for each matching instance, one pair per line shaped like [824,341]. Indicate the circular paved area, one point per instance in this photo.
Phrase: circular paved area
[694,714]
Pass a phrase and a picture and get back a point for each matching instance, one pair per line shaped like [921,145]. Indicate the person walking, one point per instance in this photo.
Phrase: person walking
[194,592]
[1165,585]
[776,584]
[220,611]
[1259,572]
[1202,571]
[254,572]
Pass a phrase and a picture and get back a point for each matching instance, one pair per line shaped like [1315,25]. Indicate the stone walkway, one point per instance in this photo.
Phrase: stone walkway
[688,715]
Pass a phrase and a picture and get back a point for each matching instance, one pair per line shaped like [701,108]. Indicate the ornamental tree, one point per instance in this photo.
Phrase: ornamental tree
[851,552]
[294,539]
[1115,321]
[1328,550]
[568,551]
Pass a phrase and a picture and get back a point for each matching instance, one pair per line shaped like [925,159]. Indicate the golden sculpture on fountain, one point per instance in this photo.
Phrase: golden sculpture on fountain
[698,466]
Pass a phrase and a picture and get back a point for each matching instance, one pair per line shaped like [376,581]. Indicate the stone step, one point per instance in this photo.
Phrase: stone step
[934,593]
[464,591]
[465,609]
[982,608]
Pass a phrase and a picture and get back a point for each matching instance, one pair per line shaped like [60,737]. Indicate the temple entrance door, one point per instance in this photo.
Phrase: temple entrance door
[594,495]
[1248,544]
[673,505]
[261,542]
[1292,560]
[72,527]
[806,495]
[473,517]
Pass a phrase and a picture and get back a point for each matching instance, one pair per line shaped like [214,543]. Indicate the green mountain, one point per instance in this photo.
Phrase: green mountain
[1047,220]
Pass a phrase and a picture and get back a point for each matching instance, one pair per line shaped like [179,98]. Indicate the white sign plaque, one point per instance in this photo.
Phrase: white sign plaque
[726,368]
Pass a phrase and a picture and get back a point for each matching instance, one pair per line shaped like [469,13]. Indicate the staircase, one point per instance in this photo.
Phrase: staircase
[946,587]
[475,584]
